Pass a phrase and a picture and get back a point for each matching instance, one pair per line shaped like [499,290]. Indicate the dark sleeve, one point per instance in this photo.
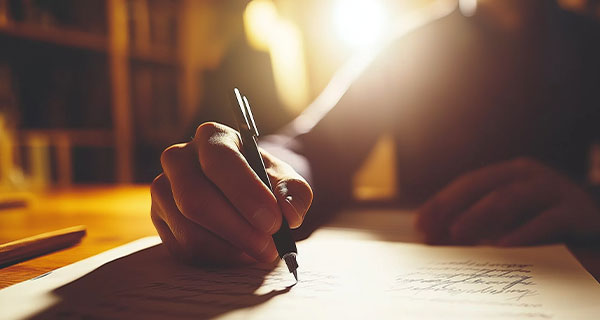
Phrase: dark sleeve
[341,140]
[593,102]
[332,138]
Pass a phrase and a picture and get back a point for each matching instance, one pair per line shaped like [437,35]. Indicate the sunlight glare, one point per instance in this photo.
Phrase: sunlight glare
[359,22]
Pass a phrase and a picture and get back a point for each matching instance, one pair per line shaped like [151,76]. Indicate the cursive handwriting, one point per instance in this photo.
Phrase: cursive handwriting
[507,282]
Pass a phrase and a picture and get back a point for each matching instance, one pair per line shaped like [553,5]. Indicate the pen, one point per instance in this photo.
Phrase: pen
[27,248]
[285,244]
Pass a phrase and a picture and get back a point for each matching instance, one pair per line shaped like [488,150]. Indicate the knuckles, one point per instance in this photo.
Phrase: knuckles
[207,130]
[157,185]
[171,154]
[213,133]
[209,135]
[217,147]
[217,157]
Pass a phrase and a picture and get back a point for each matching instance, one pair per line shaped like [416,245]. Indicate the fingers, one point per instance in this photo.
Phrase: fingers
[544,228]
[200,202]
[221,161]
[184,239]
[437,214]
[166,234]
[210,200]
[502,210]
[292,192]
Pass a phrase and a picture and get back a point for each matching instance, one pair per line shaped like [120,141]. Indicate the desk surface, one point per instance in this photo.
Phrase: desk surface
[113,216]
[117,215]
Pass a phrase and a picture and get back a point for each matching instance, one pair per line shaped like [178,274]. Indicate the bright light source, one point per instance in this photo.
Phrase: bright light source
[467,7]
[260,19]
[359,22]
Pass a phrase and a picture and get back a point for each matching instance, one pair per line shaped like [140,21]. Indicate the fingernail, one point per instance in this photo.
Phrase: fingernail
[263,220]
[289,199]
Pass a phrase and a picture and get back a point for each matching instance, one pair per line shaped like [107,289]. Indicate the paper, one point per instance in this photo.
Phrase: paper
[339,278]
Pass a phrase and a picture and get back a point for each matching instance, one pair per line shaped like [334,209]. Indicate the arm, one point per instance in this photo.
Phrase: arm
[329,141]
[209,207]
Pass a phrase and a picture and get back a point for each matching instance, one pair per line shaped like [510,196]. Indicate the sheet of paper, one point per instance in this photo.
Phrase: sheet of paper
[341,276]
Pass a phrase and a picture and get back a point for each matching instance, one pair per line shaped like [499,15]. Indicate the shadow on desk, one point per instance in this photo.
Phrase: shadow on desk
[149,284]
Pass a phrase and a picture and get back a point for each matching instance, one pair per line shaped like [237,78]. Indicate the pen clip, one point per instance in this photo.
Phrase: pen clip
[250,117]
[243,113]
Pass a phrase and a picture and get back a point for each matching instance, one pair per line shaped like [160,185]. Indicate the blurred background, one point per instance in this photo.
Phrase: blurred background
[92,91]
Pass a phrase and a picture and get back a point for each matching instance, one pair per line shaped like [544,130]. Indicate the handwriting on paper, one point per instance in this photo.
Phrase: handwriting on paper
[365,280]
[237,284]
[508,282]
[207,292]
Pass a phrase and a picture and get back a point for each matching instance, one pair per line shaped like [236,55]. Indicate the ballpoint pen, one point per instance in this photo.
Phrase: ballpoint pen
[284,242]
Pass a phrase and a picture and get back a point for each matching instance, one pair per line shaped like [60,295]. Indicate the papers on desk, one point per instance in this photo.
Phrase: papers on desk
[339,278]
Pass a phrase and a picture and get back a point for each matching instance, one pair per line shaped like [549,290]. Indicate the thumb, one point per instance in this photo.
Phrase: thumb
[294,197]
[291,190]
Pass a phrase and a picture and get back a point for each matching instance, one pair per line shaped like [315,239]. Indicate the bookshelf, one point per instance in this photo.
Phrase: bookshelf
[137,43]
[62,37]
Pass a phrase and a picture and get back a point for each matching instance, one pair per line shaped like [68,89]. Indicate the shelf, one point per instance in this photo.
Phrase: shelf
[120,39]
[83,40]
[77,137]
[58,36]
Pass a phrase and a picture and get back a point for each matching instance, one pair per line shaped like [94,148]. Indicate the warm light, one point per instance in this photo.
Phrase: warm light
[359,22]
[289,66]
[376,178]
[266,30]
[260,19]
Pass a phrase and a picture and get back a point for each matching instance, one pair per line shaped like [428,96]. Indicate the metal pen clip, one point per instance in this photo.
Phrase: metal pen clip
[248,121]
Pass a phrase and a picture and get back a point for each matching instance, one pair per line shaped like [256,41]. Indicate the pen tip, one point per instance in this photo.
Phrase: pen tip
[292,264]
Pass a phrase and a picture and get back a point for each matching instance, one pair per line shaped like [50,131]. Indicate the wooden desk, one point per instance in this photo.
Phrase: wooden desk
[113,216]
[117,215]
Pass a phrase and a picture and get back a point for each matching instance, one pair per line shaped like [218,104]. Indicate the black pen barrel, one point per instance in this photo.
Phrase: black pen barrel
[252,155]
[284,242]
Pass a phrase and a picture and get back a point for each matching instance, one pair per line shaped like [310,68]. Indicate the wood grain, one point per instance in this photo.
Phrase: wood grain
[113,216]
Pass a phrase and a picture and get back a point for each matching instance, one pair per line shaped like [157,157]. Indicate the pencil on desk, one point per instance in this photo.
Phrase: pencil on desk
[30,247]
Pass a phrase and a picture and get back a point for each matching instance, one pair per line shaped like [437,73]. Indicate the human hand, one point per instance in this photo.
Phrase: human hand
[209,207]
[520,202]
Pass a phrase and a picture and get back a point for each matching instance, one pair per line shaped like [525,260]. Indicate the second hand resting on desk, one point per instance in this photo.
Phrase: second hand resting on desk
[284,242]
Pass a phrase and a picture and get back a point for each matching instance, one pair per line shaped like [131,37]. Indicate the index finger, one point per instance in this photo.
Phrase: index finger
[223,164]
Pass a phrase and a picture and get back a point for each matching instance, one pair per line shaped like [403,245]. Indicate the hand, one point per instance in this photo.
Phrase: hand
[520,202]
[209,207]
